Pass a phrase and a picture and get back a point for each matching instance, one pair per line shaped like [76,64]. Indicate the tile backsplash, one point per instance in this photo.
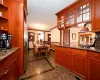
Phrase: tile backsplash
[97,38]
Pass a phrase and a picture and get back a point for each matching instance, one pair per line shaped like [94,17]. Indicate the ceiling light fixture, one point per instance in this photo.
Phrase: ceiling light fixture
[39,32]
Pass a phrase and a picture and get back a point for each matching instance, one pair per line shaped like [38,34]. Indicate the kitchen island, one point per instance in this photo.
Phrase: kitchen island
[9,69]
[84,62]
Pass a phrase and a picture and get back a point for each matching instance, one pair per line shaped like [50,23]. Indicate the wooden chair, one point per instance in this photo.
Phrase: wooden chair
[43,50]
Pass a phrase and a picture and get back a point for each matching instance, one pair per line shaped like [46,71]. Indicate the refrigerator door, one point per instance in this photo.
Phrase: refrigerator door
[25,47]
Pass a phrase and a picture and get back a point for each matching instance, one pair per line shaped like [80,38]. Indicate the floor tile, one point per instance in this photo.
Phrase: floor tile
[44,68]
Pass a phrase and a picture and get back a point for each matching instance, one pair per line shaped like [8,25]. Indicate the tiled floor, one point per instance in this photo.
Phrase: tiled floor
[44,68]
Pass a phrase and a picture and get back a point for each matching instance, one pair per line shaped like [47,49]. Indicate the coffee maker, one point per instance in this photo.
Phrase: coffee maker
[3,39]
[8,44]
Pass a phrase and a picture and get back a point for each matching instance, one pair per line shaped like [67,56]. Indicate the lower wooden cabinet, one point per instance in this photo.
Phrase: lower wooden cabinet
[84,63]
[59,56]
[68,61]
[94,70]
[2,76]
[80,66]
[9,67]
[10,73]
[93,66]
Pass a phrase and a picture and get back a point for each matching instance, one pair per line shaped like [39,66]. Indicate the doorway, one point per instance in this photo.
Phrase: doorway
[49,37]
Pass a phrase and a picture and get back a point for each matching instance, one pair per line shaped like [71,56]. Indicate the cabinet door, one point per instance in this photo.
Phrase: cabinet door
[96,15]
[10,72]
[59,57]
[68,61]
[94,70]
[80,66]
[2,77]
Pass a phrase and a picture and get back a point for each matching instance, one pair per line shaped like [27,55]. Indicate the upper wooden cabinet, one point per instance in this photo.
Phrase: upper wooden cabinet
[70,18]
[95,15]
[4,15]
[83,13]
[76,13]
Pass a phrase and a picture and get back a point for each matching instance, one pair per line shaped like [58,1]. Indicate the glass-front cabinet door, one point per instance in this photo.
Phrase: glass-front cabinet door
[83,13]
[62,22]
[70,18]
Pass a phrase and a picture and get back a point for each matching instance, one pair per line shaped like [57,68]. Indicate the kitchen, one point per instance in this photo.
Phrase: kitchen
[76,45]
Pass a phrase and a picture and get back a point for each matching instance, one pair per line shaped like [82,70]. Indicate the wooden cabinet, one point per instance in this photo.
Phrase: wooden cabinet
[95,15]
[93,66]
[94,70]
[63,56]
[83,13]
[9,67]
[70,18]
[80,62]
[61,22]
[72,59]
[10,73]
[84,63]
[2,76]
[4,15]
[76,13]
[80,66]
[68,61]
[59,56]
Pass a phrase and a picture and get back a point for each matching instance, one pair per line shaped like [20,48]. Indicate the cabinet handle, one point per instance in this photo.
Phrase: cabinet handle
[5,72]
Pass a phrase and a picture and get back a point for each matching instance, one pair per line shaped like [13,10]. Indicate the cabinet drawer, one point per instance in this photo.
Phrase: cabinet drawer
[81,53]
[68,50]
[74,51]
[94,55]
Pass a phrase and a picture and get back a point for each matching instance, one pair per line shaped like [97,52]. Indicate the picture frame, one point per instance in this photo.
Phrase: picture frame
[31,36]
[73,36]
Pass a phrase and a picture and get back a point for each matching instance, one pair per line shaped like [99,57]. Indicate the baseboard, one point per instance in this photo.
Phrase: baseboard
[30,48]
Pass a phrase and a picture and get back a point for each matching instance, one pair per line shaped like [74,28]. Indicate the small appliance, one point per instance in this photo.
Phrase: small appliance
[3,38]
[8,44]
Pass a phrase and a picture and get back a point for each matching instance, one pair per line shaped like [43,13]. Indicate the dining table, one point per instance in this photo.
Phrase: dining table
[40,46]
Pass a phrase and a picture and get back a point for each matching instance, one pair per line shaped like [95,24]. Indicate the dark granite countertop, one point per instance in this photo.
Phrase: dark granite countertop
[5,53]
[82,48]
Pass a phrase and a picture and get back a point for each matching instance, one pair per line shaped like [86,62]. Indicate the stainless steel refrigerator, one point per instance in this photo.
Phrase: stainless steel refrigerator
[25,47]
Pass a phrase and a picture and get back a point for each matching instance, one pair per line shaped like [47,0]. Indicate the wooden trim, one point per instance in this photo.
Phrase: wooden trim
[66,7]
[53,28]
[72,5]
[60,37]
[39,30]
[55,42]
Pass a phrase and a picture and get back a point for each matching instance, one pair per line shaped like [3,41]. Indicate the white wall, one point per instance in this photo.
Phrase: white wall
[76,30]
[46,35]
[55,35]
[36,37]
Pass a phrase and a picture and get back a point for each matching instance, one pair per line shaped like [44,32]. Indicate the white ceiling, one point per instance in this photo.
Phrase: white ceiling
[41,13]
